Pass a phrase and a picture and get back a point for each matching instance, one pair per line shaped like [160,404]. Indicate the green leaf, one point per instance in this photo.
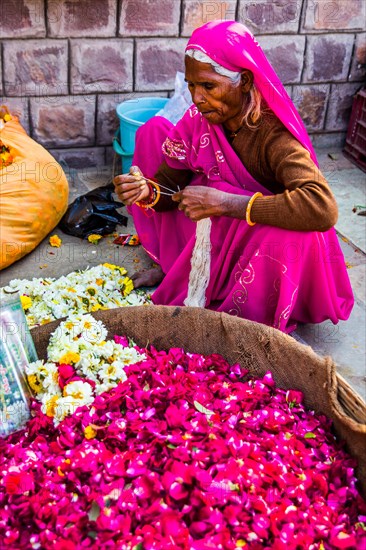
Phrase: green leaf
[310,435]
[171,446]
[92,534]
[202,409]
[94,511]
[138,546]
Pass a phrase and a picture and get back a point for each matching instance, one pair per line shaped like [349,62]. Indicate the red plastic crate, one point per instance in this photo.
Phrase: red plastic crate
[355,147]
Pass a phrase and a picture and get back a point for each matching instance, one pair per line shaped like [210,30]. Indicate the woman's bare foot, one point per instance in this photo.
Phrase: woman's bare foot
[150,277]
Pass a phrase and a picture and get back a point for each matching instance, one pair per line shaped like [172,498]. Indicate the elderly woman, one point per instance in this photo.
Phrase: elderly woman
[249,230]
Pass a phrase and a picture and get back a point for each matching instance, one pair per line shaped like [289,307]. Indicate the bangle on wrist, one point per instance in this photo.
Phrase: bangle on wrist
[249,208]
[154,196]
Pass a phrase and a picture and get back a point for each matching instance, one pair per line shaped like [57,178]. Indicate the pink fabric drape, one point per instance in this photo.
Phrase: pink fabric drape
[266,274]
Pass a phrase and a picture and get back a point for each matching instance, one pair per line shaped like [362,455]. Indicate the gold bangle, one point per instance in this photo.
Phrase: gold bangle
[249,207]
[155,198]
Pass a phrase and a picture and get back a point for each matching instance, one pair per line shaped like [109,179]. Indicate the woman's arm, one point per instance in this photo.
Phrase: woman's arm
[306,202]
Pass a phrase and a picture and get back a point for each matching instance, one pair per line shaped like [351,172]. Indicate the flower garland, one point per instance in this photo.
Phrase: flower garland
[105,286]
[6,158]
[186,452]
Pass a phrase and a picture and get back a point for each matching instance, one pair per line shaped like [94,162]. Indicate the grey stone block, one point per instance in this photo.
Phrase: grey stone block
[197,13]
[149,18]
[270,16]
[328,57]
[158,60]
[80,19]
[101,65]
[358,66]
[323,15]
[311,102]
[80,158]
[286,55]
[64,122]
[22,19]
[340,105]
[35,68]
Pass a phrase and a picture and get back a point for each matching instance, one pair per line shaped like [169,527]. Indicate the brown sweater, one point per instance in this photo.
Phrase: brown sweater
[302,199]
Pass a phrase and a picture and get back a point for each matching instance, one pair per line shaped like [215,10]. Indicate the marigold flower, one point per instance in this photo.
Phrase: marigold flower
[34,383]
[127,287]
[50,405]
[26,302]
[94,239]
[55,241]
[113,267]
[89,432]
[70,357]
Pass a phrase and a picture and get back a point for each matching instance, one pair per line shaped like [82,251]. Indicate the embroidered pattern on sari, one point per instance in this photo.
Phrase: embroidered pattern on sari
[174,148]
[193,111]
[219,156]
[246,276]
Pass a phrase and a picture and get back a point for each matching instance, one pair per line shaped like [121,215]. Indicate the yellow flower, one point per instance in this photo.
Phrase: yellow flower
[94,239]
[96,307]
[89,432]
[99,282]
[128,286]
[51,405]
[69,357]
[240,543]
[122,270]
[55,241]
[26,302]
[7,117]
[34,383]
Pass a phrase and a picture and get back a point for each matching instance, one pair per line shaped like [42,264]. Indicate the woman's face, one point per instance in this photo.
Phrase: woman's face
[215,96]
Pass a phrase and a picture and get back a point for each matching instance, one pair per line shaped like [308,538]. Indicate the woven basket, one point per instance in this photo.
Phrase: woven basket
[256,347]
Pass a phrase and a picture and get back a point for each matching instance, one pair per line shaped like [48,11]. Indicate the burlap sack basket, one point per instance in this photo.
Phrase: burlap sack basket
[257,347]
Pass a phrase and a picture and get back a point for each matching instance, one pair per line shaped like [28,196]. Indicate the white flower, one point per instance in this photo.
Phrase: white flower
[112,372]
[79,391]
[85,291]
[79,341]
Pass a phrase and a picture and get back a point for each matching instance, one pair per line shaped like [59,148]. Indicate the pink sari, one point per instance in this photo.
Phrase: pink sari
[262,273]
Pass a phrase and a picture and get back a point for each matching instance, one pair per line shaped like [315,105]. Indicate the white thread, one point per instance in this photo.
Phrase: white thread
[199,275]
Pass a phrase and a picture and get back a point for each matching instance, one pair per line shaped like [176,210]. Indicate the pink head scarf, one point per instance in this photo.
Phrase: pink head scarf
[233,46]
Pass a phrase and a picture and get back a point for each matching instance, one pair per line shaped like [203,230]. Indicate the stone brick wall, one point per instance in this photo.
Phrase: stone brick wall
[66,64]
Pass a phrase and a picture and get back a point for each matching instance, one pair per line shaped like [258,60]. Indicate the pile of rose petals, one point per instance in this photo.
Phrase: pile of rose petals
[187,453]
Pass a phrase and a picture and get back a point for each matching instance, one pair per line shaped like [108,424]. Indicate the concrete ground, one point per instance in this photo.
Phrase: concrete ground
[345,342]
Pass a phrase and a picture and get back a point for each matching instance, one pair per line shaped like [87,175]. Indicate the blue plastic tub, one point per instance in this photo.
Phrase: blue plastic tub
[126,158]
[134,113]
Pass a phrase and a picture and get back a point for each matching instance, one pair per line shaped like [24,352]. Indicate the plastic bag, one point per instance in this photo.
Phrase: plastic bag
[177,105]
[33,191]
[16,352]
[94,212]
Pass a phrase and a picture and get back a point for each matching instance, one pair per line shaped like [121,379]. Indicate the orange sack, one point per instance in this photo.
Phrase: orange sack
[33,191]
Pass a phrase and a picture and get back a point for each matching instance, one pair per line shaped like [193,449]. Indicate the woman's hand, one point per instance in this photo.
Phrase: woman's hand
[199,202]
[131,187]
